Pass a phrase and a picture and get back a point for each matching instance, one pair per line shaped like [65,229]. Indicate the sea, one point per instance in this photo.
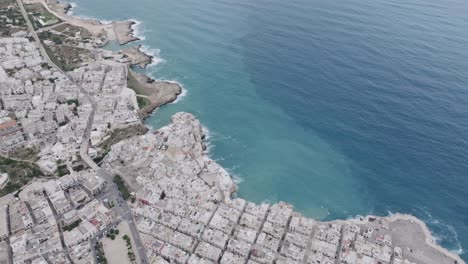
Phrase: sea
[341,108]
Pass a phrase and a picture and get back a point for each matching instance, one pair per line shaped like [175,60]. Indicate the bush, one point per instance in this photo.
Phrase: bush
[122,187]
[72,225]
[112,236]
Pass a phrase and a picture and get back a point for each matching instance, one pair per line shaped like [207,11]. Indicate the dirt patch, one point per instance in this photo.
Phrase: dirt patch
[116,250]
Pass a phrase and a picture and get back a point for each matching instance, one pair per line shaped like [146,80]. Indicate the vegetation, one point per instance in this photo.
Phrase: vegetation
[100,253]
[142,102]
[122,187]
[47,35]
[62,170]
[11,19]
[55,58]
[46,17]
[130,253]
[73,101]
[45,65]
[27,154]
[65,57]
[72,225]
[20,172]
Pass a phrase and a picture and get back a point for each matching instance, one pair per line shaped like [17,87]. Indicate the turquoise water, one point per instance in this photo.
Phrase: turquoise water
[340,108]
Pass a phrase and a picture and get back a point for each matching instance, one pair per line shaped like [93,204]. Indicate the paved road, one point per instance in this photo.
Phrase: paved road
[122,211]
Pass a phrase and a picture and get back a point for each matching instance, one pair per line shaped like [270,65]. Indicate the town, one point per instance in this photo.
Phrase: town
[83,180]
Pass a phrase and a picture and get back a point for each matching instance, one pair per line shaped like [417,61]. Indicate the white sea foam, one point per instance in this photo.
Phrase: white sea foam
[138,32]
[209,145]
[236,178]
[150,127]
[105,21]
[206,131]
[73,5]
[181,96]
[448,234]
[154,53]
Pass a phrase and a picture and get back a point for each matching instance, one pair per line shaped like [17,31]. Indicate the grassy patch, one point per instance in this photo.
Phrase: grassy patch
[46,17]
[143,102]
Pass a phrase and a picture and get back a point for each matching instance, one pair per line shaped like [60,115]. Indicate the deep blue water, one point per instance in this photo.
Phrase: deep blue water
[339,107]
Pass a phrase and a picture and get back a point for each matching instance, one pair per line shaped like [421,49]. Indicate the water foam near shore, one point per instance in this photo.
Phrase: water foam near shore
[155,56]
[138,30]
[69,11]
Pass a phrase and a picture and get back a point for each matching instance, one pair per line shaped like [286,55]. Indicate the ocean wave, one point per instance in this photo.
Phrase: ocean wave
[182,94]
[443,233]
[154,53]
[447,235]
[209,145]
[73,5]
[150,127]
[138,32]
[236,178]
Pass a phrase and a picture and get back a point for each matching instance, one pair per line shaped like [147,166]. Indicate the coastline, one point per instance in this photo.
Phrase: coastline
[162,92]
